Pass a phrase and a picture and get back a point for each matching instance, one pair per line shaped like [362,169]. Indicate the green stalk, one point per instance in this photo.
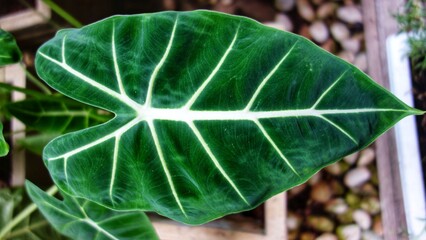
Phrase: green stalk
[64,14]
[24,214]
[28,229]
[35,80]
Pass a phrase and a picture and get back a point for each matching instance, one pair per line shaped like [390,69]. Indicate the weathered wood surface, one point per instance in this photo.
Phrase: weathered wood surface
[378,25]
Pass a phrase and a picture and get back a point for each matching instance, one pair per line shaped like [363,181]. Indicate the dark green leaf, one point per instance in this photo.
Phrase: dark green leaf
[36,143]
[32,226]
[9,50]
[4,147]
[55,115]
[8,200]
[81,219]
[214,113]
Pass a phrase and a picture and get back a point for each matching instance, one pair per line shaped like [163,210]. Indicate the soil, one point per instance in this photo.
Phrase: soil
[419,94]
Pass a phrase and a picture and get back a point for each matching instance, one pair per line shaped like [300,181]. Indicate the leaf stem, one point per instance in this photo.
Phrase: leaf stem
[24,213]
[35,80]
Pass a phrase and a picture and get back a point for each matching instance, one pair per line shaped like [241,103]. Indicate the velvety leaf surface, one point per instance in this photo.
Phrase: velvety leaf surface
[9,50]
[81,219]
[214,113]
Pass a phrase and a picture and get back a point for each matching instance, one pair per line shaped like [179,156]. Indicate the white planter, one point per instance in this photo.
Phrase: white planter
[406,137]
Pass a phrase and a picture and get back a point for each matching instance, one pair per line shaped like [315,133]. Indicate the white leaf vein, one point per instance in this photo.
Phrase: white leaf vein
[158,67]
[116,67]
[164,165]
[215,161]
[340,129]
[126,101]
[197,93]
[274,145]
[266,79]
[328,89]
[114,167]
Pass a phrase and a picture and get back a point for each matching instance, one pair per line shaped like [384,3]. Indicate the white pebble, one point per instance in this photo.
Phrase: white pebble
[275,25]
[339,31]
[334,169]
[285,21]
[361,62]
[367,156]
[351,45]
[347,56]
[356,177]
[319,31]
[305,10]
[293,221]
[315,178]
[327,236]
[284,5]
[326,10]
[337,206]
[350,14]
[362,218]
[369,235]
[349,232]
[227,2]
[351,159]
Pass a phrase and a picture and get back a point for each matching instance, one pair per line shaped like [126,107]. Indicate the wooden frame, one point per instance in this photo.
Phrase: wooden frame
[378,25]
[275,226]
[15,74]
[26,18]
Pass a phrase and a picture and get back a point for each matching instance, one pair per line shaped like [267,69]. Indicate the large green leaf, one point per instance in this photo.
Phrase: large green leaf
[9,50]
[214,113]
[81,219]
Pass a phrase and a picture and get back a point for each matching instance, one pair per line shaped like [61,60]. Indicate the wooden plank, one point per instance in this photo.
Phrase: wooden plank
[15,75]
[26,18]
[275,226]
[378,25]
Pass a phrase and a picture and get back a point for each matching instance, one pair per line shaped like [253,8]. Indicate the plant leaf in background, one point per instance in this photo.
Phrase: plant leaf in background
[8,200]
[36,143]
[9,53]
[214,113]
[9,50]
[4,147]
[33,226]
[81,219]
[55,114]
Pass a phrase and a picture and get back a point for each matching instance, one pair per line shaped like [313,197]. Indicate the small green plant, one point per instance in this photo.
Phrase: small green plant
[412,20]
[213,114]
